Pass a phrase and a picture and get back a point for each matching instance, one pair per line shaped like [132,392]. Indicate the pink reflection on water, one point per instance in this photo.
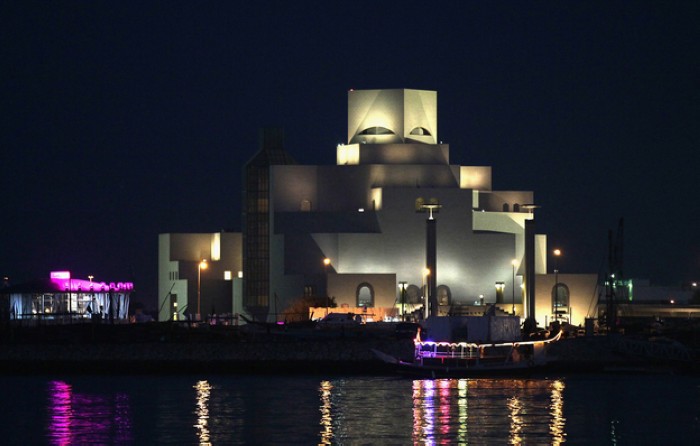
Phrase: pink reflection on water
[61,413]
[80,418]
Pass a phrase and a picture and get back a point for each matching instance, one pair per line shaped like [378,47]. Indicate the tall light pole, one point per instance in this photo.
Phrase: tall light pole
[326,263]
[425,288]
[513,262]
[557,253]
[402,285]
[202,265]
[432,207]
[91,294]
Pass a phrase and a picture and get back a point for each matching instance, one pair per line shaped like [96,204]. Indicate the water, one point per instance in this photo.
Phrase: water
[226,410]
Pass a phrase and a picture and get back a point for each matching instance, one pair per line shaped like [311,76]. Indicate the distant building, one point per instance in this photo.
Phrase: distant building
[198,274]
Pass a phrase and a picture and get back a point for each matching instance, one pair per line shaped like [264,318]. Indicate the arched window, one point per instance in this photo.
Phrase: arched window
[365,295]
[377,131]
[560,299]
[413,295]
[444,295]
[420,131]
[506,208]
[516,207]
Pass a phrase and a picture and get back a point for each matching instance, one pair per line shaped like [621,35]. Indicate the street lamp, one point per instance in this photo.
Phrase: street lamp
[557,253]
[514,262]
[425,287]
[326,263]
[202,265]
[402,285]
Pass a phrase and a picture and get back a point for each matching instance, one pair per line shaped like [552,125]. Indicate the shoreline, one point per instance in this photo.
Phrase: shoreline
[170,349]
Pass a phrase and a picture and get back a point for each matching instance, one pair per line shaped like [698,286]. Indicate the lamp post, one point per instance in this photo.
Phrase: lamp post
[326,263]
[425,287]
[202,265]
[514,262]
[89,305]
[402,285]
[557,253]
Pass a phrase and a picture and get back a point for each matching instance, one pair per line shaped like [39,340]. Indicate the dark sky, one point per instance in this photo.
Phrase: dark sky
[122,120]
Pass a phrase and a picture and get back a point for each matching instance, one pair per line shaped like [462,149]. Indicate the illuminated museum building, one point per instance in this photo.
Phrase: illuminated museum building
[360,231]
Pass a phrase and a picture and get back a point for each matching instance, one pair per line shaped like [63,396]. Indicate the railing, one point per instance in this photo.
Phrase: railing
[446,351]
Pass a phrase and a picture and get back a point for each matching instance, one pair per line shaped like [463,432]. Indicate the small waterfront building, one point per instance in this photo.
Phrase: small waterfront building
[63,298]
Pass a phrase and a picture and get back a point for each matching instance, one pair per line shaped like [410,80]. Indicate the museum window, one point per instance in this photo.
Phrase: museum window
[420,131]
[413,295]
[444,295]
[560,299]
[365,295]
[506,208]
[305,206]
[377,131]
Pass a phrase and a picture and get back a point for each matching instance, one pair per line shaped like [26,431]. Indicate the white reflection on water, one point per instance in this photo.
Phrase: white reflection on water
[202,426]
[558,422]
[516,420]
[463,431]
[326,416]
[457,411]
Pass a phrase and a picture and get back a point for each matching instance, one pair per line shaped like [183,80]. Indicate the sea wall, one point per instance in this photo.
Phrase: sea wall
[262,354]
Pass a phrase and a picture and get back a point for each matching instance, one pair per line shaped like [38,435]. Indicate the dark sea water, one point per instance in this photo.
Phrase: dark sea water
[308,410]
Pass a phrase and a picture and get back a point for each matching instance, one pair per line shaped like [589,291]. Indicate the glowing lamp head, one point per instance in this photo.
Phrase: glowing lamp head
[557,252]
[326,261]
[203,264]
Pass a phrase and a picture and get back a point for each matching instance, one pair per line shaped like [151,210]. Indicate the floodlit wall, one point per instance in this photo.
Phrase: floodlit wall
[475,177]
[399,111]
[344,288]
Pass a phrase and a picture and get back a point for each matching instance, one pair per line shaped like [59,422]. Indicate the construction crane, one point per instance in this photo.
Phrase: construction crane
[615,276]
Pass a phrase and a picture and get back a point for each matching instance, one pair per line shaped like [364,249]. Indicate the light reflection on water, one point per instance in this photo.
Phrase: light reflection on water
[202,426]
[326,433]
[449,411]
[223,410]
[86,417]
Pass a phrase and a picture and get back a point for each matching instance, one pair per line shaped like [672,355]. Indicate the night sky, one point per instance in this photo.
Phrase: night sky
[123,120]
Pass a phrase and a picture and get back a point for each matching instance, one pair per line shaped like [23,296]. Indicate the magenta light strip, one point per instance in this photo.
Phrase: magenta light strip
[81,285]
